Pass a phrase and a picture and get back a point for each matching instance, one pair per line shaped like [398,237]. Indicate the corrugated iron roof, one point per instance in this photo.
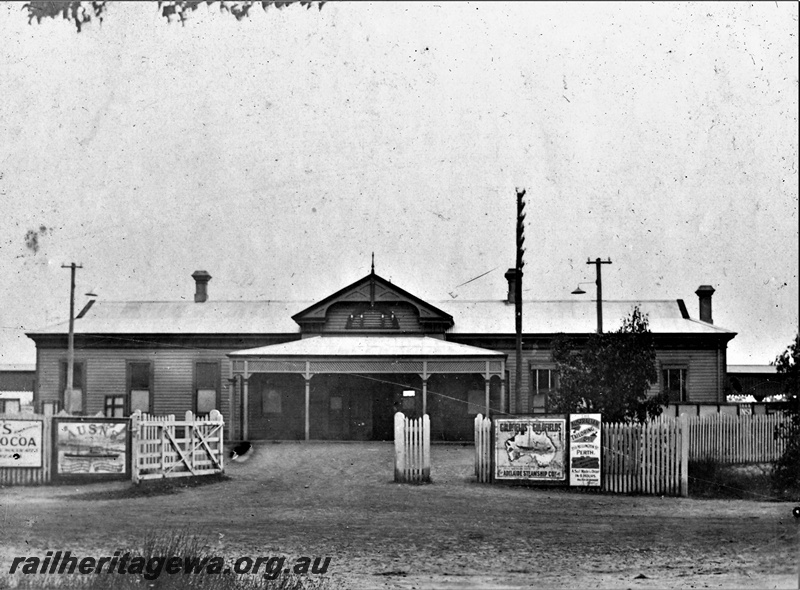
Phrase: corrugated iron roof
[185,317]
[370,346]
[275,317]
[570,317]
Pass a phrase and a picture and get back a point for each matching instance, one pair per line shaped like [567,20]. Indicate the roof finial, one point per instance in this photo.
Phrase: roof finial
[373,263]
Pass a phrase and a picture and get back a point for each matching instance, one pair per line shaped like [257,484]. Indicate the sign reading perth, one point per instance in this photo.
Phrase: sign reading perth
[532,449]
[584,450]
[20,443]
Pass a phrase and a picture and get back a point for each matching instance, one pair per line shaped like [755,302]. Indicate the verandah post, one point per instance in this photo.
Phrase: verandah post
[308,409]
[426,447]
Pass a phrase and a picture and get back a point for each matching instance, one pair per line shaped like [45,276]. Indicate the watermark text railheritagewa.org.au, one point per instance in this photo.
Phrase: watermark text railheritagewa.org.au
[63,562]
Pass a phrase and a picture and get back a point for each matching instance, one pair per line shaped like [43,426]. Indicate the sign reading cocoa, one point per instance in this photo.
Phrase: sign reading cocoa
[20,443]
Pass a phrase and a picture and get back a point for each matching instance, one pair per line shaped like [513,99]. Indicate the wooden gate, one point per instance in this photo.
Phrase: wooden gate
[164,447]
[412,449]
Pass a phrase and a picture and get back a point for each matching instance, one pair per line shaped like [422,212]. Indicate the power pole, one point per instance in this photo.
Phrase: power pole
[518,292]
[71,341]
[599,282]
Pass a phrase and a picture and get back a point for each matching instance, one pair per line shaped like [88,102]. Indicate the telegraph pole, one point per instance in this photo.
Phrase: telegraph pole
[518,292]
[71,342]
[599,282]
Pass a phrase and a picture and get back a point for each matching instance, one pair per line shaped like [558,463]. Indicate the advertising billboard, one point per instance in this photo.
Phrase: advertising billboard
[91,446]
[21,443]
[530,448]
[584,449]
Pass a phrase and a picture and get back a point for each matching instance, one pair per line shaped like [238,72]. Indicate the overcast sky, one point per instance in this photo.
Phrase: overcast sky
[278,152]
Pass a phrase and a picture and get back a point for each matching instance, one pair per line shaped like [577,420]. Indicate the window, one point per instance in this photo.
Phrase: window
[139,386]
[74,404]
[50,408]
[674,383]
[9,406]
[206,386]
[114,406]
[543,382]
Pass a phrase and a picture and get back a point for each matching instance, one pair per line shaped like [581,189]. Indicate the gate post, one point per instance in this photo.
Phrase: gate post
[684,423]
[135,419]
[399,446]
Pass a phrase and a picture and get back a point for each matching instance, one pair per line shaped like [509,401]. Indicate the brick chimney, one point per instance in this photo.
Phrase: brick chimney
[511,277]
[201,279]
[704,293]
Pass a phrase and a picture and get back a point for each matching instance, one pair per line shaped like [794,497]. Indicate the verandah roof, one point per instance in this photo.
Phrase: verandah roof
[376,354]
[371,346]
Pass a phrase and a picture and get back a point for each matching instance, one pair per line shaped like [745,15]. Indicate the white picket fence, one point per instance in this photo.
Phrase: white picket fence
[653,458]
[483,448]
[412,449]
[163,447]
[649,458]
[636,458]
[735,439]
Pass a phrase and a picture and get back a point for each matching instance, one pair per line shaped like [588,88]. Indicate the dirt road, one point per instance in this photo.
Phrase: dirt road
[338,499]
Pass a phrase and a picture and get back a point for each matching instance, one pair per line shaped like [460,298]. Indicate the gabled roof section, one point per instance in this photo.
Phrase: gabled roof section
[373,289]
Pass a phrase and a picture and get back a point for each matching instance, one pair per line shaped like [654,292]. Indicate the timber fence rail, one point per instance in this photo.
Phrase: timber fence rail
[163,447]
[24,426]
[412,449]
[735,439]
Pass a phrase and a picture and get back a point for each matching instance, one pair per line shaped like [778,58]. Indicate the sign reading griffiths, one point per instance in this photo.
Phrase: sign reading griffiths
[530,449]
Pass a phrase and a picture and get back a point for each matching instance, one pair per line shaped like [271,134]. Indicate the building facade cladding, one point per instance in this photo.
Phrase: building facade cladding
[704,366]
[107,373]
[269,402]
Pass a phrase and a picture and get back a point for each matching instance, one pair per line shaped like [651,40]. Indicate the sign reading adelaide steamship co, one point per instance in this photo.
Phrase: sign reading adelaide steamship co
[20,443]
[530,448]
[584,449]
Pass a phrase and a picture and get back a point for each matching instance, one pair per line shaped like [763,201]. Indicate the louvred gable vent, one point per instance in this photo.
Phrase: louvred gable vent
[372,318]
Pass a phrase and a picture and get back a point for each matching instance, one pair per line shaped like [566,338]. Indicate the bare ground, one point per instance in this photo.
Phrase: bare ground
[338,499]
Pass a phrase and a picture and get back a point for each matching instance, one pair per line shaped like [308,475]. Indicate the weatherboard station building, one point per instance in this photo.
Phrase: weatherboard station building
[339,368]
